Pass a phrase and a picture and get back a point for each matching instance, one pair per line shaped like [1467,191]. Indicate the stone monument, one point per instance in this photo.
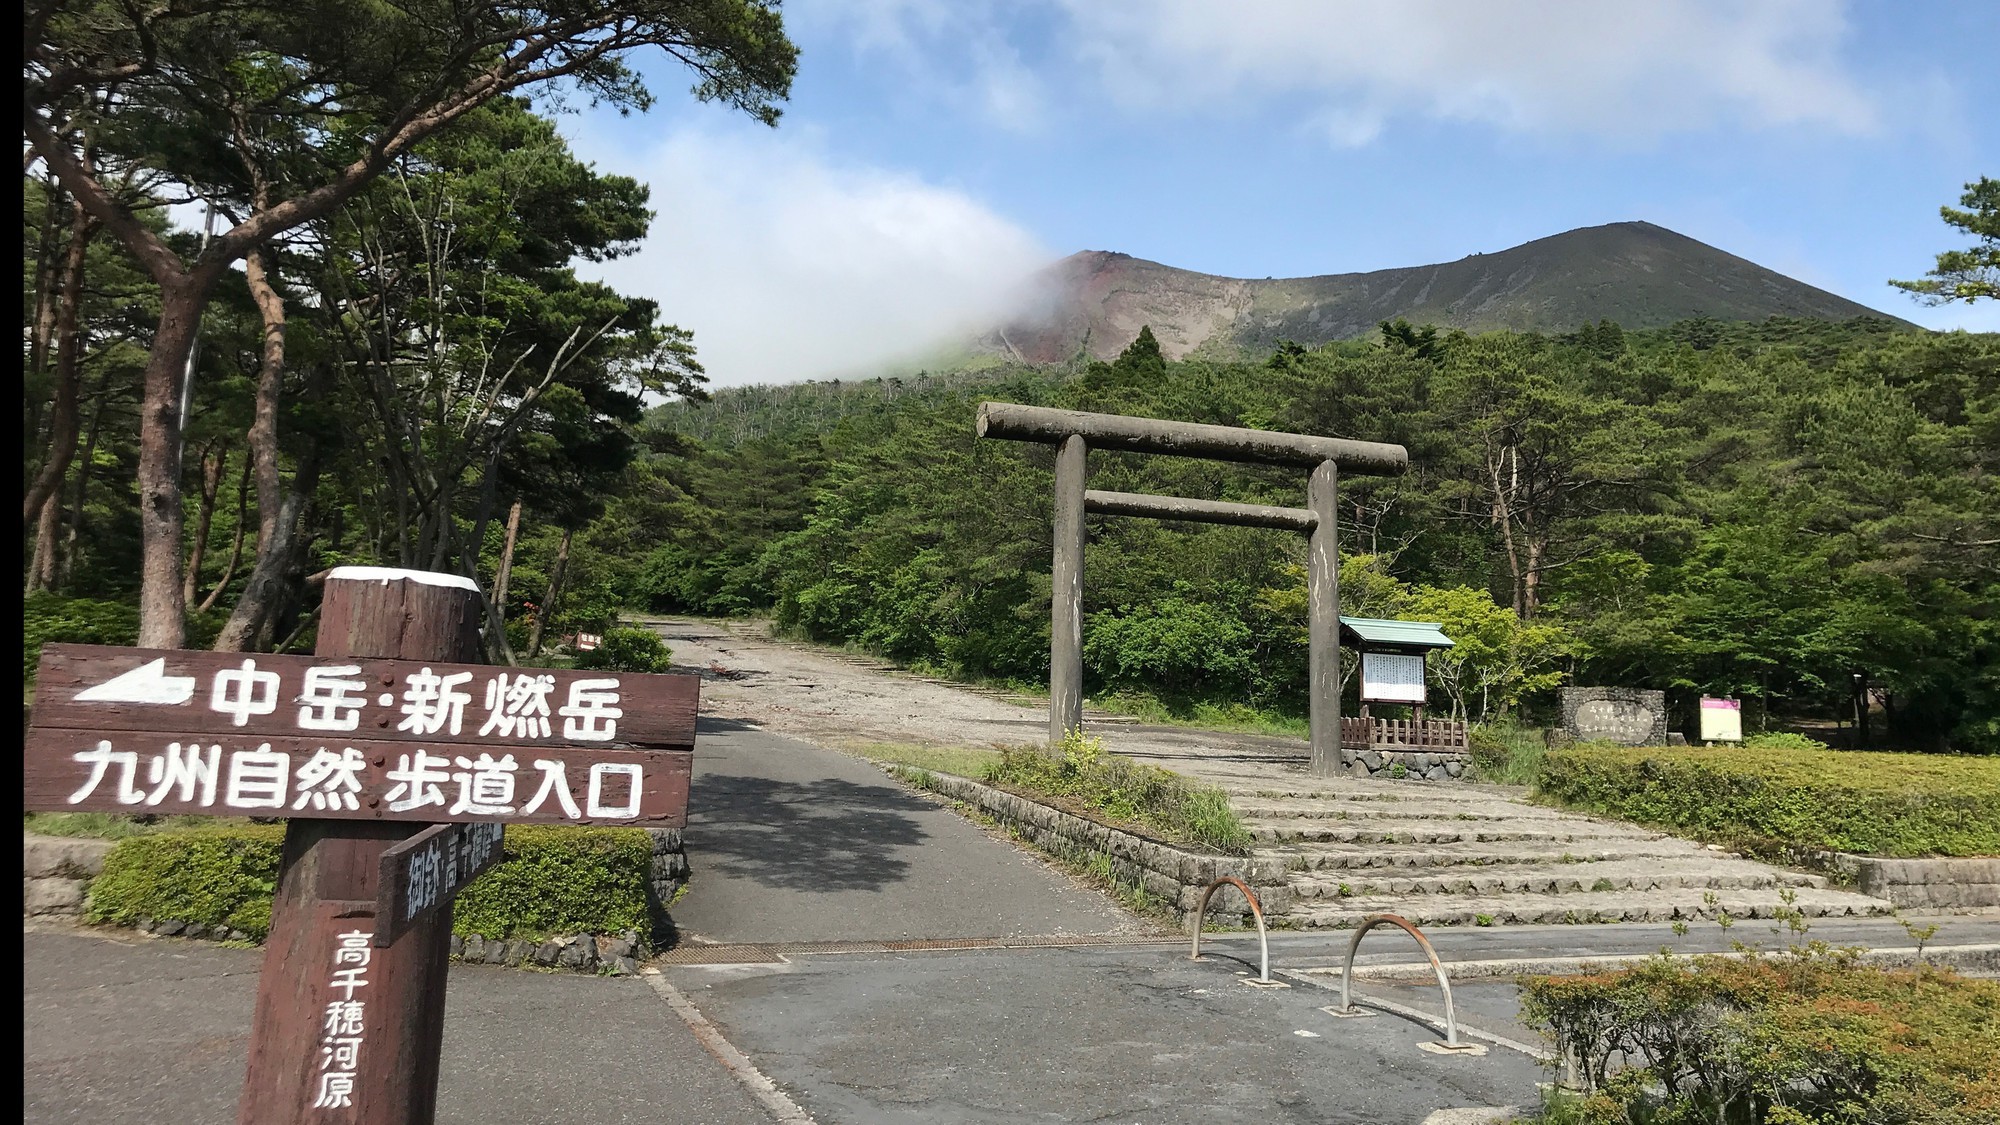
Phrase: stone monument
[1631,716]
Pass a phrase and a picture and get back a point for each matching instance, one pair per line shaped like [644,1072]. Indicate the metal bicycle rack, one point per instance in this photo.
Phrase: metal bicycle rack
[1451,1042]
[1257,911]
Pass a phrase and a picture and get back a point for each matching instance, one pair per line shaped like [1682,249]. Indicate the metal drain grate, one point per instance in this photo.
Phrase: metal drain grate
[770,953]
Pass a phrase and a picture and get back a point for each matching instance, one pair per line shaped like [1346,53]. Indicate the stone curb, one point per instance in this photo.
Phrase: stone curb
[1977,958]
[1165,871]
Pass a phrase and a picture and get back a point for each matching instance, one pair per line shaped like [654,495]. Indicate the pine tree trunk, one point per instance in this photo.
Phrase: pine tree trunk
[66,556]
[270,587]
[162,613]
[211,483]
[277,511]
[505,570]
[68,373]
[548,606]
[236,545]
[48,528]
[47,281]
[270,386]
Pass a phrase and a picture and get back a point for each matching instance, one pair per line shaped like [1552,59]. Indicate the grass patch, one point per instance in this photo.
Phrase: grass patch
[1235,717]
[1507,752]
[961,760]
[1162,803]
[1771,800]
[1802,1037]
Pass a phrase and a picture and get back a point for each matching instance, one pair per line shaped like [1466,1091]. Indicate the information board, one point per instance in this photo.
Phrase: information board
[1391,678]
[1721,720]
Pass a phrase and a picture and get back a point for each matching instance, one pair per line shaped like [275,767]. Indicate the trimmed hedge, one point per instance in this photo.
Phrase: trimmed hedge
[554,880]
[1797,1039]
[560,880]
[221,875]
[1777,799]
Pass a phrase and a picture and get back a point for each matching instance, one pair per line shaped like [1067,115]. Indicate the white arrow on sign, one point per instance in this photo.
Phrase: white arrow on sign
[148,683]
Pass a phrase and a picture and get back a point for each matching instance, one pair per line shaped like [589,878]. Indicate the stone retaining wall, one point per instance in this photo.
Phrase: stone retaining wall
[1417,765]
[1940,884]
[1174,874]
[56,872]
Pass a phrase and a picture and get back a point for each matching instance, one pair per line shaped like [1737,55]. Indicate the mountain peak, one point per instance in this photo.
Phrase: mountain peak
[1637,273]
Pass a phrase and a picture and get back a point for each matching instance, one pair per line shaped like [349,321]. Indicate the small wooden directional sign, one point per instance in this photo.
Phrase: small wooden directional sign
[233,734]
[428,870]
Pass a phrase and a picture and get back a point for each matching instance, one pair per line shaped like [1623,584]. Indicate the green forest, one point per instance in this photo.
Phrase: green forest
[376,349]
[1756,510]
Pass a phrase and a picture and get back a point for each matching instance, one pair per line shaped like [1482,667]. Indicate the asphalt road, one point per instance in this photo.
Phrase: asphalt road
[789,842]
[125,1028]
[1101,1035]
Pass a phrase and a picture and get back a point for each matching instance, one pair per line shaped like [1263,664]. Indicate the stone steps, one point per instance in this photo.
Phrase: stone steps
[1550,879]
[1558,836]
[1331,856]
[1740,904]
[1278,812]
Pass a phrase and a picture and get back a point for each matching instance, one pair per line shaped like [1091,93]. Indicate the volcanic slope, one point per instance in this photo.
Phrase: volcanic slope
[1637,274]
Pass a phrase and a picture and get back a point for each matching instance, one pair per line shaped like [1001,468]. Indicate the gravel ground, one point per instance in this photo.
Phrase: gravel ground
[837,699]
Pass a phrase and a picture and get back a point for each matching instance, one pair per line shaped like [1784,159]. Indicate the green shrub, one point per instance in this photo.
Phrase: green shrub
[218,875]
[109,826]
[1178,646]
[554,880]
[628,649]
[1506,752]
[1795,1039]
[1781,740]
[560,880]
[1159,801]
[1766,799]
[49,619]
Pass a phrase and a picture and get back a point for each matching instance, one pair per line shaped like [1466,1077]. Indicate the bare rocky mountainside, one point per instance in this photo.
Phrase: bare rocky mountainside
[1638,274]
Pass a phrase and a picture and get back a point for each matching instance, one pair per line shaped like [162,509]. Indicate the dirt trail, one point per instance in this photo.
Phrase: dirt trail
[835,698]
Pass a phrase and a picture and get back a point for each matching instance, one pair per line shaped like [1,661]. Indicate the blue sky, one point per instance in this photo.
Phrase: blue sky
[934,152]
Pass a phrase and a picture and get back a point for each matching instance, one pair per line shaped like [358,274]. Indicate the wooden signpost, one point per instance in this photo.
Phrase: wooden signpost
[428,870]
[397,762]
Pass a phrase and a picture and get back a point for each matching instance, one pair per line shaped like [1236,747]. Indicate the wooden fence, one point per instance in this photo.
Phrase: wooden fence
[1358,733]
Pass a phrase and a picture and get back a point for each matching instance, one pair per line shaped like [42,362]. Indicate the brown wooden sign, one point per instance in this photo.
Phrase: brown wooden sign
[428,870]
[349,1017]
[259,695]
[330,779]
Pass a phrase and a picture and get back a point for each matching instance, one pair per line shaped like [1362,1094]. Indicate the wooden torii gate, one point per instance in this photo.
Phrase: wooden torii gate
[1074,433]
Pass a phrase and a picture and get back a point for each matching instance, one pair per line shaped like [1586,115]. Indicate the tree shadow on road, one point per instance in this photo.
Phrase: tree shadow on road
[824,835]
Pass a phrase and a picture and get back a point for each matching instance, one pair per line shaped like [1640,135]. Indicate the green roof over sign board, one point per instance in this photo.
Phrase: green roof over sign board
[1406,634]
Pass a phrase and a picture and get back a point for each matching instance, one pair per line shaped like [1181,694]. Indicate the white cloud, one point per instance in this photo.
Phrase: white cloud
[1632,71]
[1566,65]
[789,265]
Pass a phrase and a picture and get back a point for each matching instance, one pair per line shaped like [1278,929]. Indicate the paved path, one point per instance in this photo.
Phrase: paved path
[128,1029]
[789,842]
[996,1038]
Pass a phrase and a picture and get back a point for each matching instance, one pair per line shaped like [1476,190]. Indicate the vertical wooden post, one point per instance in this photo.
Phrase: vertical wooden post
[327,888]
[1066,594]
[1323,618]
